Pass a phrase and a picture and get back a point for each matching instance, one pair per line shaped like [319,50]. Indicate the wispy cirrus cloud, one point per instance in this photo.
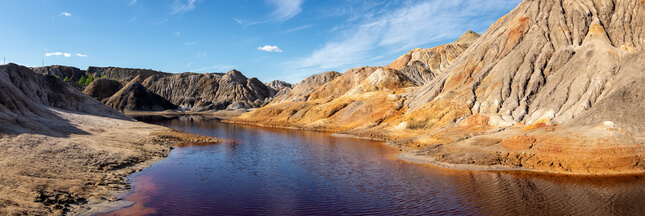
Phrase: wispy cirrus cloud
[182,6]
[283,10]
[297,28]
[270,48]
[388,29]
[65,14]
[64,54]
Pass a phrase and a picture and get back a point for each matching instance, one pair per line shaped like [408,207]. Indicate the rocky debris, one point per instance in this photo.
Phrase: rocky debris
[102,88]
[552,86]
[135,97]
[72,73]
[211,91]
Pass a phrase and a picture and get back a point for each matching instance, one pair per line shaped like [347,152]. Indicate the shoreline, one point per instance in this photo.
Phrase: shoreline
[221,114]
[410,157]
[107,206]
[102,206]
[429,160]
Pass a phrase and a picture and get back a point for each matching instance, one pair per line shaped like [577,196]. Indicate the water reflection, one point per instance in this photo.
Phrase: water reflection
[287,172]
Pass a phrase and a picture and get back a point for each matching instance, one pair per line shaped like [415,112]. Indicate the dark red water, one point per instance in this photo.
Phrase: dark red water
[293,172]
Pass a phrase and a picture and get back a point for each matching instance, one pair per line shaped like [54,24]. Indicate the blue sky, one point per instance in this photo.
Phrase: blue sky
[268,39]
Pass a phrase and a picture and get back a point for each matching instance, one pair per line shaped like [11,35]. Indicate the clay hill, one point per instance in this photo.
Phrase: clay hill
[188,91]
[552,86]
[64,152]
[210,91]
[135,97]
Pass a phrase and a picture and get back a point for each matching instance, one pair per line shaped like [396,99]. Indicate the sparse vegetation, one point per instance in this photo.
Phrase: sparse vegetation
[85,80]
[417,124]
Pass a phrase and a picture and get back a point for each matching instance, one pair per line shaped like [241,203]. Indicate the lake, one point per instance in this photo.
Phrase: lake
[293,172]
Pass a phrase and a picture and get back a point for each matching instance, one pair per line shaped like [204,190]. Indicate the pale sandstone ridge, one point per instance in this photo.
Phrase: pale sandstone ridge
[62,150]
[552,86]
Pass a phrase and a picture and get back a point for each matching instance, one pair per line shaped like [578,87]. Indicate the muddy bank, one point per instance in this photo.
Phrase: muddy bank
[80,172]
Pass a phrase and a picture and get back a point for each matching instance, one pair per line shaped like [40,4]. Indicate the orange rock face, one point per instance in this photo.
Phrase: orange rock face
[541,90]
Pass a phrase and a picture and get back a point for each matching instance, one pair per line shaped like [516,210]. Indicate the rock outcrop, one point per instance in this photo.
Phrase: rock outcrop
[552,86]
[135,97]
[278,85]
[102,88]
[301,90]
[123,74]
[71,73]
[212,91]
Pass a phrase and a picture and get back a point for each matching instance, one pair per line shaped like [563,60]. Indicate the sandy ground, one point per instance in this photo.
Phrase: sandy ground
[82,172]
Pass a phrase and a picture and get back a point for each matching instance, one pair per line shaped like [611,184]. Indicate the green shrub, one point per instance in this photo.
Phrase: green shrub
[66,79]
[57,77]
[81,81]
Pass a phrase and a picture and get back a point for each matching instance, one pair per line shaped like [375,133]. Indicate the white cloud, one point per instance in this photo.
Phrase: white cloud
[383,30]
[64,54]
[181,6]
[133,2]
[66,14]
[177,34]
[239,21]
[270,48]
[283,11]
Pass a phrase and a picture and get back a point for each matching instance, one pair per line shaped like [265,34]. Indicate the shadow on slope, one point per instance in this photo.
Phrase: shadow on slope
[29,104]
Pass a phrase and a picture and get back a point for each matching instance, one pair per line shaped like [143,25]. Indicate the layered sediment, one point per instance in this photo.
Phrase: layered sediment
[552,86]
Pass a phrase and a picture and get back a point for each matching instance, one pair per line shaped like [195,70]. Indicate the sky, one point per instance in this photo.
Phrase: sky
[269,39]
